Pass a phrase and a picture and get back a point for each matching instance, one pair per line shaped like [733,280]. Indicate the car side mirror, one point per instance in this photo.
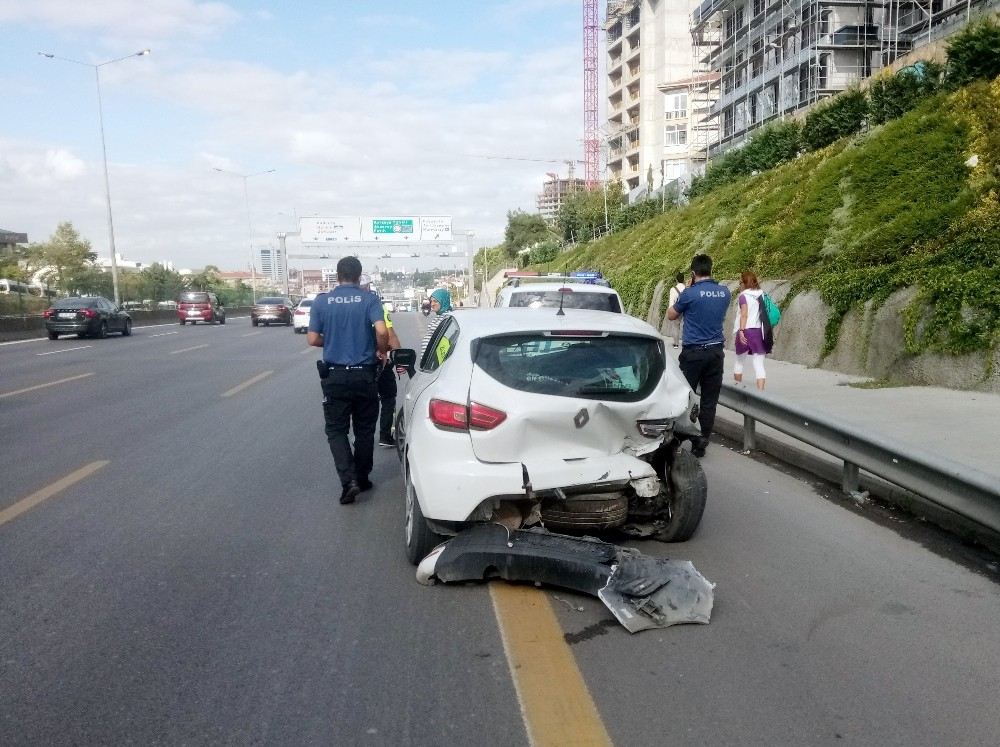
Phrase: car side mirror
[405,357]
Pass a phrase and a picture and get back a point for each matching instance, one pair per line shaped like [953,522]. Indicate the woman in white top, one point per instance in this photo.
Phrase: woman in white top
[748,332]
[674,327]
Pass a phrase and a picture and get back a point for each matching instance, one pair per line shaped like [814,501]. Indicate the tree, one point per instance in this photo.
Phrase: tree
[206,280]
[66,253]
[157,283]
[974,53]
[523,231]
[581,216]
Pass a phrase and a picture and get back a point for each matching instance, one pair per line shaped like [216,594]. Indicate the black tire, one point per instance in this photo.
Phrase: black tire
[253,322]
[127,329]
[102,331]
[687,491]
[181,322]
[53,335]
[222,320]
[420,538]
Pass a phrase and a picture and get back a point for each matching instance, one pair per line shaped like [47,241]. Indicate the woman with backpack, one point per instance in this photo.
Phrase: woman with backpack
[748,330]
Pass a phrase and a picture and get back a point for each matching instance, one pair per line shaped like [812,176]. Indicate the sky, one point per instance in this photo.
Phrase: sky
[361,108]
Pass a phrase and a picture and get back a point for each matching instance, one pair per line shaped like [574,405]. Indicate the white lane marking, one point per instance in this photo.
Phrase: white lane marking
[249,382]
[65,350]
[163,334]
[309,350]
[134,330]
[43,386]
[251,334]
[186,350]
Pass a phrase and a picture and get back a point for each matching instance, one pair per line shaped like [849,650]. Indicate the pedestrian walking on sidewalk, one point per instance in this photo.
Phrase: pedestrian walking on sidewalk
[386,375]
[748,331]
[703,307]
[674,326]
[349,324]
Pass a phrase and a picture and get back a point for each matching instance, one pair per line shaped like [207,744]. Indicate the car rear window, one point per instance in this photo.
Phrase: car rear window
[194,298]
[613,367]
[75,303]
[594,300]
[272,301]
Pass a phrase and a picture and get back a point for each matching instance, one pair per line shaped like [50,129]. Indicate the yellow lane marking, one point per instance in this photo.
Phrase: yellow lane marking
[188,350]
[26,504]
[249,382]
[555,703]
[251,334]
[43,386]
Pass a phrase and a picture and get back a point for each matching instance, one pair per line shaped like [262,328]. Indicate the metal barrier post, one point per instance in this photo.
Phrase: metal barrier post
[749,433]
[850,483]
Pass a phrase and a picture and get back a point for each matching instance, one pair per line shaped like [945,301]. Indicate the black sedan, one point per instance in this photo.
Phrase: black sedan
[92,316]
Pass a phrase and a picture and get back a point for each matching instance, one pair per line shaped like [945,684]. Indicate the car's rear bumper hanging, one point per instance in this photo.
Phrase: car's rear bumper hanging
[641,591]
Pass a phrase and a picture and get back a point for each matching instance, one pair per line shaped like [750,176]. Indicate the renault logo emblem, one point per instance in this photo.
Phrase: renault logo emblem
[581,418]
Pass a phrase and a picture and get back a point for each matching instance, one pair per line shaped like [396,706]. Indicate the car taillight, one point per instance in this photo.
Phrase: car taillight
[89,313]
[48,313]
[459,417]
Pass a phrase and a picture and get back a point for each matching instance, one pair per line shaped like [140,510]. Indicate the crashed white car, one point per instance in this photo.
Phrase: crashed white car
[571,421]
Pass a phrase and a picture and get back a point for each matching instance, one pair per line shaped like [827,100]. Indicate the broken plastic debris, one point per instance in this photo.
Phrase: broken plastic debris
[642,592]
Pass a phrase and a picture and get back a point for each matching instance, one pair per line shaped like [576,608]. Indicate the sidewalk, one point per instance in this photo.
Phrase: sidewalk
[957,425]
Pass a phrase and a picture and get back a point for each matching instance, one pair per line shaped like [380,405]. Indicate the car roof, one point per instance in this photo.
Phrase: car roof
[498,321]
[576,287]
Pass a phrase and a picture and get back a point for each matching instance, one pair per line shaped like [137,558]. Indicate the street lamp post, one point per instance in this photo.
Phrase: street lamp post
[104,152]
[469,236]
[246,198]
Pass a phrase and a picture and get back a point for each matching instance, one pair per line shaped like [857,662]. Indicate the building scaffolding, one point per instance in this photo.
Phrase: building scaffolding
[774,58]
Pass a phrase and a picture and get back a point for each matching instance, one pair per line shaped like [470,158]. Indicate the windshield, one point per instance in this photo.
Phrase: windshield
[571,300]
[305,303]
[272,302]
[76,303]
[614,367]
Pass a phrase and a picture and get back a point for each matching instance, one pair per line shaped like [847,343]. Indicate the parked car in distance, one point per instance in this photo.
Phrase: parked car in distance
[84,316]
[574,421]
[572,295]
[200,306]
[301,316]
[272,310]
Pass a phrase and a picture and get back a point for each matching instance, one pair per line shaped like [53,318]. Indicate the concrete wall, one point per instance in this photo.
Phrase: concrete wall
[870,343]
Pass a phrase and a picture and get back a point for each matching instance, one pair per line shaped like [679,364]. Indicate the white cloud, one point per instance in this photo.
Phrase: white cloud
[154,19]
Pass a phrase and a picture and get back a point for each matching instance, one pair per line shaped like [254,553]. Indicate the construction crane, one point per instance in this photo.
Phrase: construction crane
[591,136]
[570,163]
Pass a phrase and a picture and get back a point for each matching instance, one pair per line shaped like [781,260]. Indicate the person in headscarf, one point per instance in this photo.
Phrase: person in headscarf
[441,306]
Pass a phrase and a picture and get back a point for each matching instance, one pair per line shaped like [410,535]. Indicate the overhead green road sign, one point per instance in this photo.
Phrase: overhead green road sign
[391,226]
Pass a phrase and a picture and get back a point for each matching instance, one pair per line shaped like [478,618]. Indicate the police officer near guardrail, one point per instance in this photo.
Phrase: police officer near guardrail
[349,324]
[703,305]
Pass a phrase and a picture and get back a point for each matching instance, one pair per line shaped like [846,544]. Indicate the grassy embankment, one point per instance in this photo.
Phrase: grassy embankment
[892,208]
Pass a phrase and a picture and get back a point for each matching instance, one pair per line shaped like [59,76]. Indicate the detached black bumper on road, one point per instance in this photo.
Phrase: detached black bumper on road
[642,592]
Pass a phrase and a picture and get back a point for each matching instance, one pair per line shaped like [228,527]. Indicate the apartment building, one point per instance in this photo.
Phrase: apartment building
[272,264]
[772,58]
[554,193]
[648,47]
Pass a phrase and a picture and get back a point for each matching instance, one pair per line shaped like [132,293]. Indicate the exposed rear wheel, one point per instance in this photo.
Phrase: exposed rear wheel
[420,539]
[687,491]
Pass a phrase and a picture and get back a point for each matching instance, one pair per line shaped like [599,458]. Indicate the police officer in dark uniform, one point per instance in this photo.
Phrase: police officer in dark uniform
[349,325]
[703,305]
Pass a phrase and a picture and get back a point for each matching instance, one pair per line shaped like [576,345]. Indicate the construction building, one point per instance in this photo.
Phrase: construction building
[554,193]
[9,240]
[772,58]
[648,46]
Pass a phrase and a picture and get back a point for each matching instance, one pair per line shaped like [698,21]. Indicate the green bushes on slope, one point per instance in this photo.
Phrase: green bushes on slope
[893,208]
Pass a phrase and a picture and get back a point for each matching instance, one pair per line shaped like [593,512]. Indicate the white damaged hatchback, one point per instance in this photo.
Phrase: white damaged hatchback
[571,421]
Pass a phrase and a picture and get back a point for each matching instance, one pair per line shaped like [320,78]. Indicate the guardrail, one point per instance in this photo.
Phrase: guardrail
[964,490]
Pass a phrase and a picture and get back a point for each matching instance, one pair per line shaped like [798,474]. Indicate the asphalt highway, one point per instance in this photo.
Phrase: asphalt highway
[175,569]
